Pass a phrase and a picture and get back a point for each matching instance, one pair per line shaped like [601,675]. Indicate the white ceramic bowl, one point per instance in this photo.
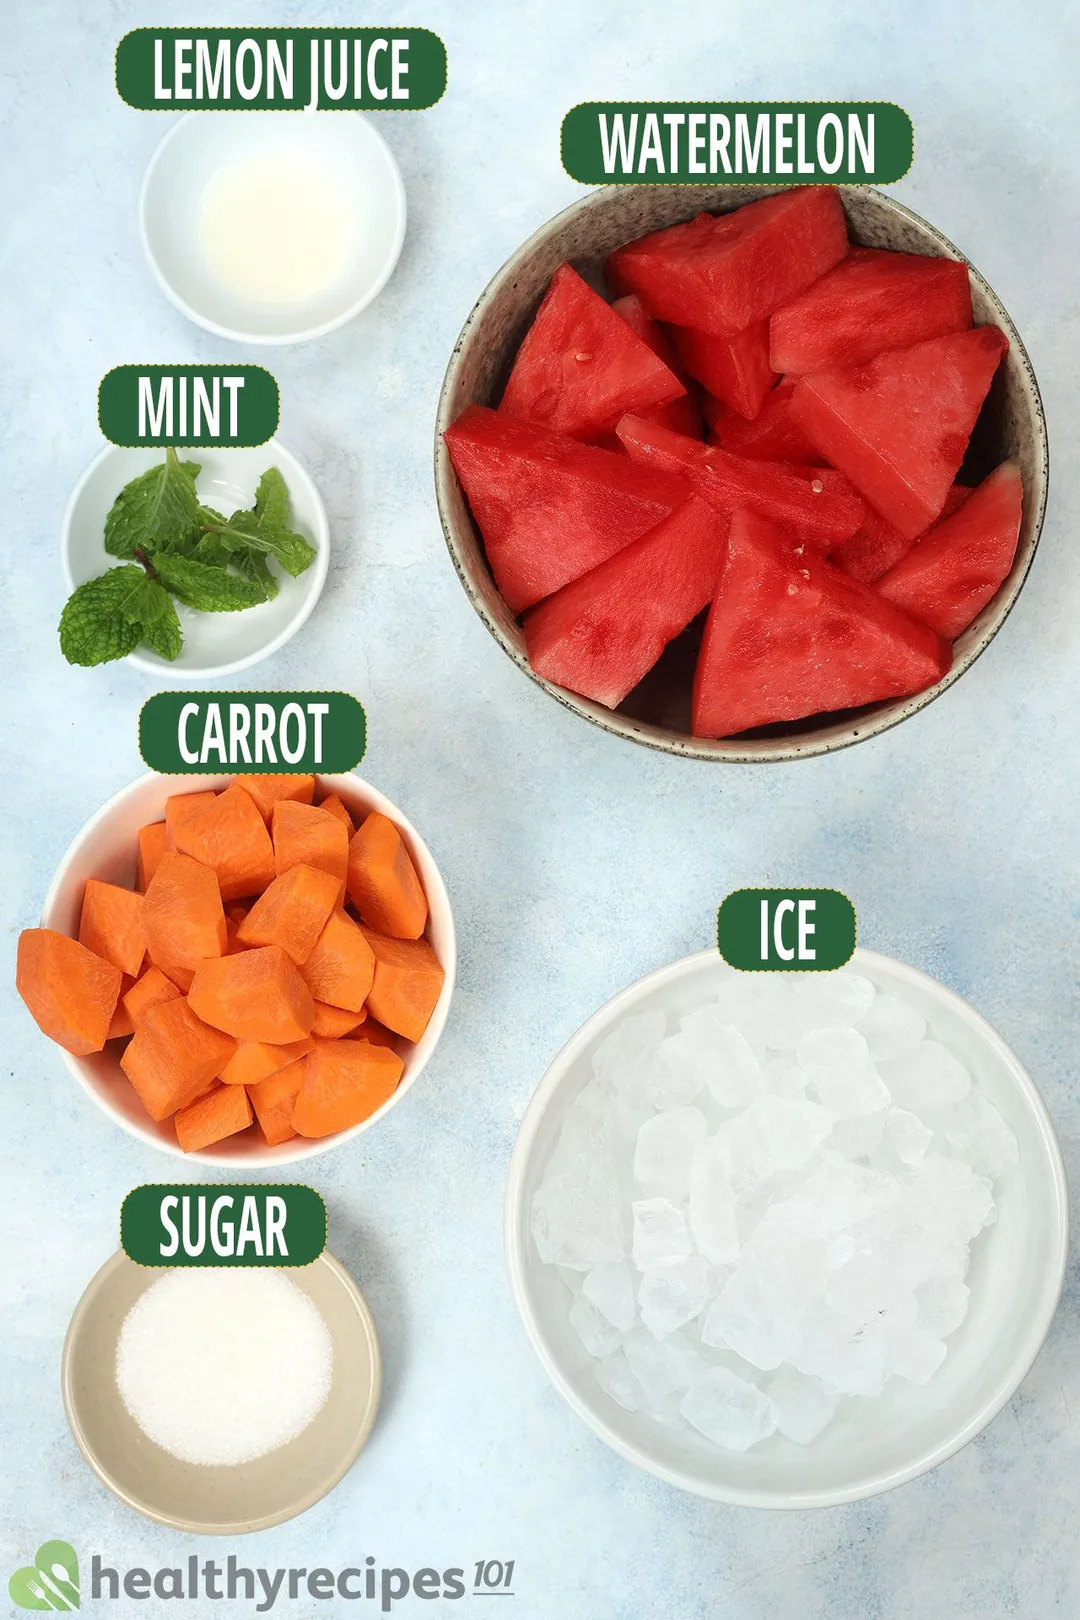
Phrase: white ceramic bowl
[1015,1279]
[215,644]
[107,848]
[345,146]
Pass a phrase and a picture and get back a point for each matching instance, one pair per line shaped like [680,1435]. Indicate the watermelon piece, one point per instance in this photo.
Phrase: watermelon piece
[721,274]
[550,508]
[790,636]
[899,426]
[877,546]
[681,415]
[815,504]
[872,301]
[773,435]
[735,369]
[948,577]
[601,634]
[580,367]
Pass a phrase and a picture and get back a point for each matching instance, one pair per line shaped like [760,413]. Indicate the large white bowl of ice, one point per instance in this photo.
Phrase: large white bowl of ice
[789,1240]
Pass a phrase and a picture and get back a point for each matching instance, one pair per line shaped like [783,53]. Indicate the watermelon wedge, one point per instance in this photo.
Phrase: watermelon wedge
[773,435]
[721,274]
[602,633]
[789,636]
[871,302]
[681,415]
[815,504]
[899,426]
[580,367]
[550,508]
[948,577]
[877,546]
[735,369]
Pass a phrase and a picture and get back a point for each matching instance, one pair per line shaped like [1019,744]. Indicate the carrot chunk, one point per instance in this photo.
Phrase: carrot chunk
[307,836]
[266,791]
[173,1056]
[122,1024]
[341,968]
[223,1113]
[334,807]
[229,835]
[257,995]
[111,925]
[408,980]
[344,1082]
[382,880]
[331,1023]
[71,992]
[292,912]
[376,1034]
[153,842]
[273,1099]
[147,992]
[256,1060]
[181,805]
[182,915]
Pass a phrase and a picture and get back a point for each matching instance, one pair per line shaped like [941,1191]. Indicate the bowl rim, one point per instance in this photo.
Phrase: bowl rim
[810,745]
[160,668]
[299,1149]
[304,334]
[517,1235]
[88,1301]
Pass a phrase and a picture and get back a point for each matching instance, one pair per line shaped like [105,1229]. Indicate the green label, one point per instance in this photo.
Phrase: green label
[287,69]
[786,930]
[252,732]
[794,143]
[201,1225]
[189,406]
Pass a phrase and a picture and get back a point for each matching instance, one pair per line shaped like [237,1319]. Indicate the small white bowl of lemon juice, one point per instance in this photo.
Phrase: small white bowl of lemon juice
[272,227]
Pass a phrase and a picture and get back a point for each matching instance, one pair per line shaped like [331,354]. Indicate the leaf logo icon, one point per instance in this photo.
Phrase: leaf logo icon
[50,1582]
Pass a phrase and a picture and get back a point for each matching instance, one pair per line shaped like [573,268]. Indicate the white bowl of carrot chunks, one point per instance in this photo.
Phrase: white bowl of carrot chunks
[251,969]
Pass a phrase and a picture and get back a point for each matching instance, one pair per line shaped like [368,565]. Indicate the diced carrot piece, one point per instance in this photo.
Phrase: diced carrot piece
[273,1099]
[223,1113]
[293,911]
[344,1082]
[333,1022]
[307,836]
[181,805]
[229,835]
[173,1056]
[408,980]
[70,991]
[257,996]
[334,806]
[236,911]
[255,1060]
[122,1024]
[182,915]
[146,992]
[382,880]
[341,968]
[266,791]
[153,842]
[376,1034]
[111,925]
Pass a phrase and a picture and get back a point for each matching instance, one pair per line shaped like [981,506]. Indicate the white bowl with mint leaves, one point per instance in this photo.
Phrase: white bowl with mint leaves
[190,563]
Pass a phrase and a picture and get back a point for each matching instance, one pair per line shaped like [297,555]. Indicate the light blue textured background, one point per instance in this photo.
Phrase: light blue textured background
[575,862]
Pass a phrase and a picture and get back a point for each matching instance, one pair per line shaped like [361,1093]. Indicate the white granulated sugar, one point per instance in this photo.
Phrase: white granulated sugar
[769,1205]
[220,1366]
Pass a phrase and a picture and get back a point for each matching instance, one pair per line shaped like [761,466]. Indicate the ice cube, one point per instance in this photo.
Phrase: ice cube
[840,1072]
[943,1304]
[977,1134]
[772,1135]
[852,1363]
[577,1217]
[891,1028]
[783,1077]
[833,1000]
[660,1233]
[611,1289]
[729,1411]
[572,1279]
[909,1137]
[685,1365]
[673,1293]
[952,1198]
[651,1368]
[857,1136]
[678,1074]
[592,1327]
[712,1205]
[805,1405]
[734,1074]
[624,1064]
[733,1322]
[916,1355]
[616,1378]
[664,1148]
[930,1077]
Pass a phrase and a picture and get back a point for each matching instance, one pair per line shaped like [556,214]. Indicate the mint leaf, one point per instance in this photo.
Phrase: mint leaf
[205,586]
[265,528]
[160,626]
[100,620]
[157,511]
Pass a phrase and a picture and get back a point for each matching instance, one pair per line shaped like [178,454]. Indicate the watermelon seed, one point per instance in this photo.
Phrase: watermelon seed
[583,357]
[817,486]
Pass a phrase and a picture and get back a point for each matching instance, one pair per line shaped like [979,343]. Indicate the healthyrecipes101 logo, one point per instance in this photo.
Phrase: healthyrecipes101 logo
[50,1582]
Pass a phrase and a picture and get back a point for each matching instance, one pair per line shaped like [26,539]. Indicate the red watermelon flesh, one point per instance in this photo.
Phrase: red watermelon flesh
[814,504]
[773,435]
[871,302]
[735,369]
[580,367]
[681,415]
[601,634]
[948,577]
[789,636]
[899,426]
[550,508]
[721,274]
[878,545]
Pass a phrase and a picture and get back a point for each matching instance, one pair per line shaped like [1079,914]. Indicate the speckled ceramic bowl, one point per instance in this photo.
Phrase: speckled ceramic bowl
[657,712]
